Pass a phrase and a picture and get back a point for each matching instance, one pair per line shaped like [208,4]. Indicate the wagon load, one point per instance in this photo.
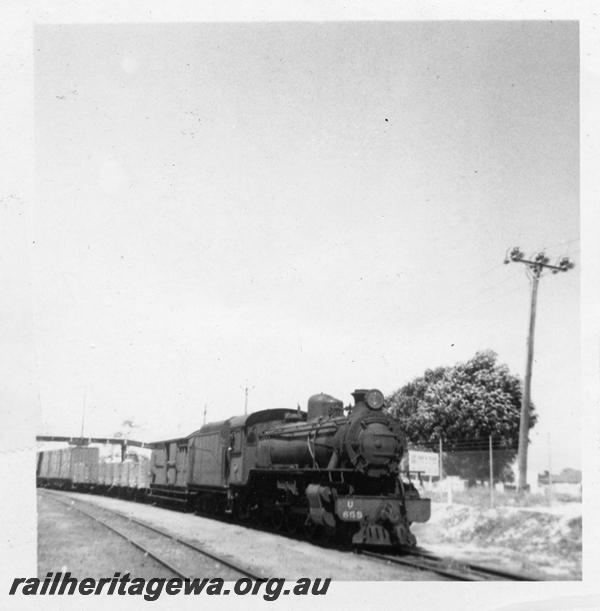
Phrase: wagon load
[85,465]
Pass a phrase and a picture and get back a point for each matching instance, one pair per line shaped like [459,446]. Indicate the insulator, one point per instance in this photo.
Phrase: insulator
[516,254]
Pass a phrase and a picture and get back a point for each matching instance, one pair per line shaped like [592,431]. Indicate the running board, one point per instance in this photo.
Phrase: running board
[164,497]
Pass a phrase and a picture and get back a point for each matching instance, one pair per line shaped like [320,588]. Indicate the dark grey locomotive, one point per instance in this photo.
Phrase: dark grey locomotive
[321,471]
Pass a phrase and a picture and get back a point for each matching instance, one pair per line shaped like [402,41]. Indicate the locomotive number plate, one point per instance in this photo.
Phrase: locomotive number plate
[354,509]
[352,514]
[349,509]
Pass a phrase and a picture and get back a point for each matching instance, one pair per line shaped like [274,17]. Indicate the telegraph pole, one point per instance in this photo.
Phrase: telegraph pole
[246,389]
[534,269]
[491,473]
[83,411]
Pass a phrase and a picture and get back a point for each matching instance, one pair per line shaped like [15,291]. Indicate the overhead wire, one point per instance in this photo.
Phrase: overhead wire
[486,272]
[459,313]
[572,241]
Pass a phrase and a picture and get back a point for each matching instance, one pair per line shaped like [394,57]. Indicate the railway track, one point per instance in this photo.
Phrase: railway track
[450,568]
[419,559]
[177,555]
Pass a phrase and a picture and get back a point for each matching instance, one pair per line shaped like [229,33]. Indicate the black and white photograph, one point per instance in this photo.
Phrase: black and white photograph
[302,303]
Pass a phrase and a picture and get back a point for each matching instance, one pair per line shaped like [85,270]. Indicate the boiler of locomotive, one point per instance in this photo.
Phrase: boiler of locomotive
[367,440]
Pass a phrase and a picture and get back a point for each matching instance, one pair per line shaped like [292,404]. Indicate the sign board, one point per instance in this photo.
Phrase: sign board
[427,463]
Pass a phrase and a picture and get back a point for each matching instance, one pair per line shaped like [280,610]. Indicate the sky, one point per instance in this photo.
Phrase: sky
[297,208]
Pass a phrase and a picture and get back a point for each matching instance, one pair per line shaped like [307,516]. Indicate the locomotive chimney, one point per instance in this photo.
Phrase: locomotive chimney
[359,396]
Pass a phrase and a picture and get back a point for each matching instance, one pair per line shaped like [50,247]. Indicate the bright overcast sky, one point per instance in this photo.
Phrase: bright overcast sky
[308,207]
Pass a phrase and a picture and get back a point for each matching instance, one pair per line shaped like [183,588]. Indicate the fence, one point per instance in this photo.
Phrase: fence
[479,471]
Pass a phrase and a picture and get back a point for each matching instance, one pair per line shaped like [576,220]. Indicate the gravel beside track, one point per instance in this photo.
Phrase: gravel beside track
[69,541]
[265,554]
[178,556]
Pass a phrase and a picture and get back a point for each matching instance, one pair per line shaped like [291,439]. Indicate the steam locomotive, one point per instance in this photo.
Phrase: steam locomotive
[321,471]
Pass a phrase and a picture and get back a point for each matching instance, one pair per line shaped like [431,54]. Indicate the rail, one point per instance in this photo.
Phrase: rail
[76,503]
[454,569]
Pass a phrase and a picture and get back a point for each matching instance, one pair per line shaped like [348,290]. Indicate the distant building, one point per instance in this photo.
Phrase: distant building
[568,481]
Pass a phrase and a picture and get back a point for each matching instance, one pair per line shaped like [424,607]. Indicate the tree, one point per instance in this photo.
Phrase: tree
[463,405]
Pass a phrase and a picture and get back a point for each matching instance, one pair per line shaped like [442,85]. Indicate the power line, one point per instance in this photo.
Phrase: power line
[485,273]
[496,285]
[502,295]
[560,243]
[458,313]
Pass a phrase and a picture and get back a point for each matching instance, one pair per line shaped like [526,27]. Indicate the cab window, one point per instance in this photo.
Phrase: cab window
[236,444]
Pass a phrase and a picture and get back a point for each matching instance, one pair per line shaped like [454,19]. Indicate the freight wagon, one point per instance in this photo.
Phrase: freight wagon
[80,468]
